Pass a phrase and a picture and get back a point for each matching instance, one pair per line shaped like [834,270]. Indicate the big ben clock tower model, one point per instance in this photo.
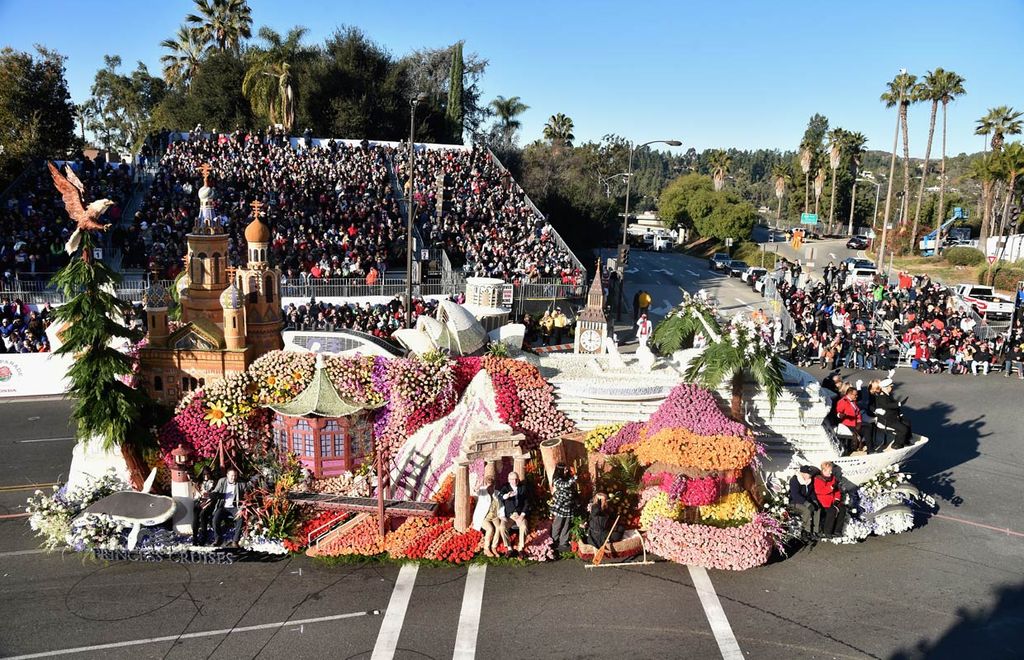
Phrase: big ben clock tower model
[592,323]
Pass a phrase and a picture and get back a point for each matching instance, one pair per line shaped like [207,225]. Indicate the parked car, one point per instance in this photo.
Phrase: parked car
[753,274]
[857,243]
[663,244]
[856,262]
[719,261]
[736,268]
[861,276]
[983,299]
[759,283]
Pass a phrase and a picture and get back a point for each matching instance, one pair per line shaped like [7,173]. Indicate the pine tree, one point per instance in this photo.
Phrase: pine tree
[455,109]
[105,407]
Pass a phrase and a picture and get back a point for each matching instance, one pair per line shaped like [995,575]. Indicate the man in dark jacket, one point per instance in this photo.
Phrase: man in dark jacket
[801,499]
[514,502]
[228,494]
[888,411]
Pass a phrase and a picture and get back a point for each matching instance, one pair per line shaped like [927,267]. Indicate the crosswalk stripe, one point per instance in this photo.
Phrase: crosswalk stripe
[469,617]
[727,643]
[391,627]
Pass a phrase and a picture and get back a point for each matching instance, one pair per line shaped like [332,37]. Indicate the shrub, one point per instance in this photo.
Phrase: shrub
[750,252]
[965,256]
[1006,277]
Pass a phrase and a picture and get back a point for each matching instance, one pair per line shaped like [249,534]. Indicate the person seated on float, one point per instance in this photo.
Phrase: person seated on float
[827,493]
[850,417]
[563,504]
[801,499]
[514,501]
[203,506]
[890,413]
[600,521]
[485,516]
[229,493]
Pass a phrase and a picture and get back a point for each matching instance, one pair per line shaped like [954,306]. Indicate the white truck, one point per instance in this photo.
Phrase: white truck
[984,300]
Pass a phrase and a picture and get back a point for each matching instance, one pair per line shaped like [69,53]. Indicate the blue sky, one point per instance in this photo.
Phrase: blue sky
[712,74]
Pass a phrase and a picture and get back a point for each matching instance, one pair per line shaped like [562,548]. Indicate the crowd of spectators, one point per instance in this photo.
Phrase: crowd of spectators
[379,320]
[34,225]
[915,321]
[23,330]
[483,218]
[330,207]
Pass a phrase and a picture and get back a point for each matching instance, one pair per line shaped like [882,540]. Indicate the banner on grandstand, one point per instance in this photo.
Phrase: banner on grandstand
[33,374]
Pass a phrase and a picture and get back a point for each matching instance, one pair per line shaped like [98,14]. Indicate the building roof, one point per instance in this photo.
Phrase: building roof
[199,334]
[320,398]
[257,232]
[155,296]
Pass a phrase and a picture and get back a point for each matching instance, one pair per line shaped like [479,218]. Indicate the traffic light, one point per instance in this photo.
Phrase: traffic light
[625,255]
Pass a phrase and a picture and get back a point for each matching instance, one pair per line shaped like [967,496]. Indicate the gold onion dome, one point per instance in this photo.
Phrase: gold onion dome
[257,232]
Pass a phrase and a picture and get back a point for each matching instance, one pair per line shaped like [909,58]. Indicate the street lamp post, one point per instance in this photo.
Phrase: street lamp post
[625,219]
[878,191]
[409,202]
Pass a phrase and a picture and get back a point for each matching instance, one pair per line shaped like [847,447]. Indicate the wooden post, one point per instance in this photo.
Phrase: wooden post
[491,470]
[462,500]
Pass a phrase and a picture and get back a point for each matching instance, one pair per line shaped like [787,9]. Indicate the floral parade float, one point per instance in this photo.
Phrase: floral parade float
[420,433]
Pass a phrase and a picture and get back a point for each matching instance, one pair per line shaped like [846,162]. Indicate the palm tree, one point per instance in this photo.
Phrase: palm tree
[903,95]
[720,161]
[1000,122]
[182,62]
[948,87]
[1011,166]
[84,113]
[507,109]
[806,156]
[819,187]
[676,331]
[854,145]
[735,355]
[558,130]
[898,90]
[923,92]
[985,169]
[268,80]
[781,176]
[836,143]
[222,23]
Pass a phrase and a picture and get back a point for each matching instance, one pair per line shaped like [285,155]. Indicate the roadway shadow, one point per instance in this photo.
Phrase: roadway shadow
[994,632]
[950,444]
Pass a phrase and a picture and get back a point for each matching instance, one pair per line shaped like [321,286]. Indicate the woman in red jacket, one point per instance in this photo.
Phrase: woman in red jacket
[826,491]
[850,417]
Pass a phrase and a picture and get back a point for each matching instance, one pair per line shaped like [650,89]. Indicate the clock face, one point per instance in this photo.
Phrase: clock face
[590,341]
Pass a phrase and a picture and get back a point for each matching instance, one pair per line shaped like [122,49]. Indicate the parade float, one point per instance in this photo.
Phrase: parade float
[345,455]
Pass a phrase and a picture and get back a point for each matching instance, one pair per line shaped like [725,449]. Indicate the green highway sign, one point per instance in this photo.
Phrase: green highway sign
[808,218]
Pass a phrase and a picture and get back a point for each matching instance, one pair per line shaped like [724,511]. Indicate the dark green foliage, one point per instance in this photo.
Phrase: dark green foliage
[454,110]
[214,98]
[964,256]
[690,202]
[124,105]
[104,406]
[676,331]
[37,118]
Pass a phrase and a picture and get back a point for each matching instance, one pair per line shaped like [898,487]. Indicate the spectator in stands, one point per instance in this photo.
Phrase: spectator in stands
[1014,359]
[982,358]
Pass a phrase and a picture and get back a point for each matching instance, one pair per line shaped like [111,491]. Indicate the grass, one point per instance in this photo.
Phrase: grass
[936,268]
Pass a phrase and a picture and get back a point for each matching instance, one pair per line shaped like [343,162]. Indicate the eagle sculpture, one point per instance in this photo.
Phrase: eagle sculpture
[86,217]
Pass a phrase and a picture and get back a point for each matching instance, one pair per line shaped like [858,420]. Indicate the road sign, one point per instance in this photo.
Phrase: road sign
[808,218]
[991,259]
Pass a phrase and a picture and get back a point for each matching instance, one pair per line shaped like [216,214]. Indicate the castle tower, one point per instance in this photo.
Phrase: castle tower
[260,287]
[206,262]
[155,300]
[592,323]
[234,318]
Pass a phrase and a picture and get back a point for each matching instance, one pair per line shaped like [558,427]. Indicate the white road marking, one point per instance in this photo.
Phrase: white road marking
[694,273]
[727,643]
[745,304]
[469,617]
[19,553]
[194,635]
[391,627]
[25,442]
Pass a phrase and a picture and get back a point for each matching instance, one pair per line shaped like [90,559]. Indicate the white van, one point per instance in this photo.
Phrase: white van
[662,244]
[861,276]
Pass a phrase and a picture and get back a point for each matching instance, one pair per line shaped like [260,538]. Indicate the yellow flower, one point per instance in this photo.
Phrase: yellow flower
[298,376]
[271,380]
[218,414]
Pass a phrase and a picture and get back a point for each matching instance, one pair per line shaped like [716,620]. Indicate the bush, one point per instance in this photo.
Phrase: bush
[1006,277]
[750,252]
[964,256]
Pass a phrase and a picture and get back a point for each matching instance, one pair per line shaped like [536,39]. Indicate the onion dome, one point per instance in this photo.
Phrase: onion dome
[205,195]
[231,298]
[155,296]
[257,232]
[183,283]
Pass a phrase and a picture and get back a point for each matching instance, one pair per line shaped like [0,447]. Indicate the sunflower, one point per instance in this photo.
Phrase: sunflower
[298,376]
[272,380]
[218,414]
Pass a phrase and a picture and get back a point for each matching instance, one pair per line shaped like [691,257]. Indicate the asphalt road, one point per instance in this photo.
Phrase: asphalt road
[953,587]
